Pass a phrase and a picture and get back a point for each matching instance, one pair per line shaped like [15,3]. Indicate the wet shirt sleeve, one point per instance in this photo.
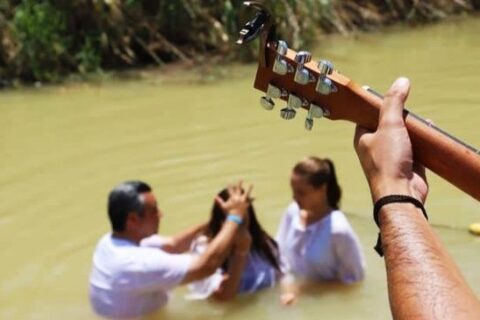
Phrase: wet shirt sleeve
[351,261]
[152,269]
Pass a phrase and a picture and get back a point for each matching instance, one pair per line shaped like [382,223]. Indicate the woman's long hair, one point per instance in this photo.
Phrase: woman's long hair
[262,243]
[318,172]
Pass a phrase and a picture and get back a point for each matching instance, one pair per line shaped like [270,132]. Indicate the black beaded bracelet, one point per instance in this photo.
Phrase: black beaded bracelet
[394,198]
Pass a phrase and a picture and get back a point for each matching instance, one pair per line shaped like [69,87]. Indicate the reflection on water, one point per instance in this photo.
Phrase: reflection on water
[63,148]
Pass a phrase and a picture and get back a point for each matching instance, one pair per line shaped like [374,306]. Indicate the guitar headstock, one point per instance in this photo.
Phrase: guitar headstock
[293,77]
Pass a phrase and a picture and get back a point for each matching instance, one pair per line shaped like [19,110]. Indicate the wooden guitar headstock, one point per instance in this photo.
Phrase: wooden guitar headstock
[291,76]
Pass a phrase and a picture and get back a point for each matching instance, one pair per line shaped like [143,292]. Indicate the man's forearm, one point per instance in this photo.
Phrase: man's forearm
[423,280]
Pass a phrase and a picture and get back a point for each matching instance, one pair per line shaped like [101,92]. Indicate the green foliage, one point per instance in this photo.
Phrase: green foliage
[42,33]
[89,57]
[43,40]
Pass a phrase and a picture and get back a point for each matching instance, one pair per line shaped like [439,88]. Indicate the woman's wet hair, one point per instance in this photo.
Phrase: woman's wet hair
[123,199]
[318,172]
[262,243]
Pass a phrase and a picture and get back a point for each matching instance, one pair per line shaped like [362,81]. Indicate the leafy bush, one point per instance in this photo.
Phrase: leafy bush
[42,33]
[42,40]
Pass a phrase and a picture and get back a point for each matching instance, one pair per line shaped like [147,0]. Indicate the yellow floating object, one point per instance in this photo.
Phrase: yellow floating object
[474,228]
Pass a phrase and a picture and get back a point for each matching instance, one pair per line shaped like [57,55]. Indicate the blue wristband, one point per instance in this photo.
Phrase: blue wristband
[238,220]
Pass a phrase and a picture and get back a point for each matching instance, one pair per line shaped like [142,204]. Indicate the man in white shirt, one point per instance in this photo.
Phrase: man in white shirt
[130,277]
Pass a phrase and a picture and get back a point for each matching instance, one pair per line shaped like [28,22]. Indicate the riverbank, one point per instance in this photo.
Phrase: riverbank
[49,40]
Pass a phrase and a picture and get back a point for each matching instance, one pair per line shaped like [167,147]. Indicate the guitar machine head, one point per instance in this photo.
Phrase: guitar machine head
[282,72]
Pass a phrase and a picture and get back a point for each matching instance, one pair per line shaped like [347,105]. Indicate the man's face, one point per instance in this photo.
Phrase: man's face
[149,222]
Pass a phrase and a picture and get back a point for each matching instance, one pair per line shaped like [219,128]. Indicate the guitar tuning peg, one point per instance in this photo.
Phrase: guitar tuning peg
[282,47]
[303,57]
[324,85]
[267,103]
[325,67]
[281,66]
[287,113]
[296,102]
[308,123]
[273,92]
[302,76]
[293,102]
[276,92]
[314,111]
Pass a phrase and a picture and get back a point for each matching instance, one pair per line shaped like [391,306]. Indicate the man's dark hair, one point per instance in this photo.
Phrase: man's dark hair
[123,199]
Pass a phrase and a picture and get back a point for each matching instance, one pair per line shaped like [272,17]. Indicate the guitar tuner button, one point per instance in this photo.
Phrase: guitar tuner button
[325,86]
[294,102]
[308,124]
[281,66]
[303,57]
[276,92]
[287,113]
[273,92]
[282,47]
[325,67]
[267,103]
[302,75]
[315,111]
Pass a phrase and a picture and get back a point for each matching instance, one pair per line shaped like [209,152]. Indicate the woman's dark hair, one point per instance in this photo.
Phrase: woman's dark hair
[123,199]
[318,172]
[262,243]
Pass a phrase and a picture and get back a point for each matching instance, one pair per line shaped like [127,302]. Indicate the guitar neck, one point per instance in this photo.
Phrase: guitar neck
[447,156]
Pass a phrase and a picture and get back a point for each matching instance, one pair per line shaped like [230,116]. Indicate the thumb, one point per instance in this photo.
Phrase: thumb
[359,133]
[393,103]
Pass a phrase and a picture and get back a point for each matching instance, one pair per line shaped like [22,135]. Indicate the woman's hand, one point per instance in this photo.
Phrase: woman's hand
[238,201]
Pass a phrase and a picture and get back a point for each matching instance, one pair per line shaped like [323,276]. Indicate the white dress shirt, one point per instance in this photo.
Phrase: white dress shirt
[128,280]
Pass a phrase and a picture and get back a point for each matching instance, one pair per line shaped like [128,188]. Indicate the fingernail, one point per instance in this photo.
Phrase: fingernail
[401,82]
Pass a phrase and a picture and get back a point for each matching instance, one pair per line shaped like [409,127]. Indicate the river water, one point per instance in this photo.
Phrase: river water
[62,148]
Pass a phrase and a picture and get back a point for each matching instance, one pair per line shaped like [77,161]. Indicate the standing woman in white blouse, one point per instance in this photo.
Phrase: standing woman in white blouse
[315,238]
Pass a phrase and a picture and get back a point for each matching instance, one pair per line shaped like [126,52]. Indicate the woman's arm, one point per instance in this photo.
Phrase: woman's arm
[182,241]
[218,249]
[349,253]
[236,265]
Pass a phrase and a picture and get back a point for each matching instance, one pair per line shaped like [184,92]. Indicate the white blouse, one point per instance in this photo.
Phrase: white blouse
[258,274]
[326,250]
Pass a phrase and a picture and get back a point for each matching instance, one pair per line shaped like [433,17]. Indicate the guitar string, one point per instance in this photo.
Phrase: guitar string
[477,151]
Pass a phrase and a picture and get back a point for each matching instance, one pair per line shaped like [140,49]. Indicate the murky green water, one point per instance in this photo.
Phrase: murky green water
[63,148]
